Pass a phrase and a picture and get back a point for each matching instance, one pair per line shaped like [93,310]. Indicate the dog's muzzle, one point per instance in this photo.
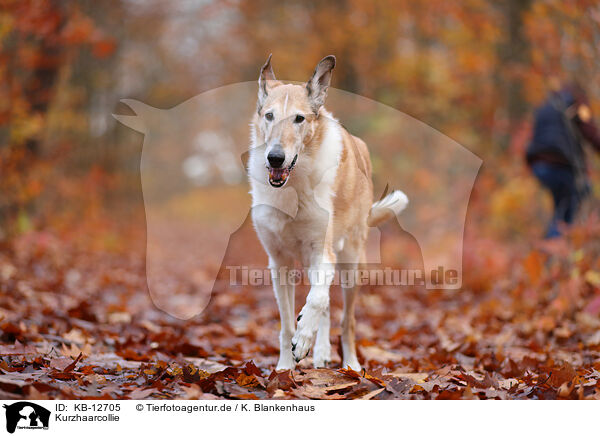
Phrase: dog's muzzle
[279,176]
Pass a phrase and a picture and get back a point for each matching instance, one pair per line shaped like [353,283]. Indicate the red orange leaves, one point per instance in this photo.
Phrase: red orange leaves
[510,339]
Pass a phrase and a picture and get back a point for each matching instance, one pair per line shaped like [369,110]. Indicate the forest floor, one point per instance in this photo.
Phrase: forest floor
[79,323]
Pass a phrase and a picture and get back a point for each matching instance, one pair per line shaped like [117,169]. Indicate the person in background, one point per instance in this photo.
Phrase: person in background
[556,155]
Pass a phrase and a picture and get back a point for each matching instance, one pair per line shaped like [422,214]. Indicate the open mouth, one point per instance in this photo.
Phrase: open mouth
[278,176]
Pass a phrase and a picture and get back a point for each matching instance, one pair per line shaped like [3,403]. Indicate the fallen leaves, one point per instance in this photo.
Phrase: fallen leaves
[80,325]
[16,349]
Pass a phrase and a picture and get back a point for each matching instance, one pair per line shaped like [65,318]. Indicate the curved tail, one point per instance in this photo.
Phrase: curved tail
[386,208]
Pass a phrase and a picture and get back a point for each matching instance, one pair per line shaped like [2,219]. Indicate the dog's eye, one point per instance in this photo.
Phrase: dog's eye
[298,119]
[269,116]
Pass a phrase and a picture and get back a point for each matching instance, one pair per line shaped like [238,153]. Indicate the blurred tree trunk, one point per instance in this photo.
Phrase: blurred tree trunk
[39,86]
[33,51]
[39,90]
[513,58]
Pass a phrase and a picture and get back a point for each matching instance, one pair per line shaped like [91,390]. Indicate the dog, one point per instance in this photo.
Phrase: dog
[300,152]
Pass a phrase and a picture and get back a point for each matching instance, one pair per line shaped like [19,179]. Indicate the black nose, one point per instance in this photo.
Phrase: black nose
[276,156]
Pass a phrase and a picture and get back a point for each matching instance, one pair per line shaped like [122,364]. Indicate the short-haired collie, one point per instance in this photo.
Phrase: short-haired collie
[312,199]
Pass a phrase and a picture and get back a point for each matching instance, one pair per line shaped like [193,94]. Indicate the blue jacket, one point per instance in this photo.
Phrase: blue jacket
[557,137]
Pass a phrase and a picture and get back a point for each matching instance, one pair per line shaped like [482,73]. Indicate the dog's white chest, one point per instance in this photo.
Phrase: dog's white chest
[295,236]
[293,221]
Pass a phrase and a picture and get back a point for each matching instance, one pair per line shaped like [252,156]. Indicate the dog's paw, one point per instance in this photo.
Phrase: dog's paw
[286,358]
[286,363]
[322,350]
[352,363]
[321,356]
[306,332]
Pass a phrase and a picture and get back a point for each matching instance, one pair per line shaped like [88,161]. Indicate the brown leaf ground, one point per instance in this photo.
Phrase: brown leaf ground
[78,323]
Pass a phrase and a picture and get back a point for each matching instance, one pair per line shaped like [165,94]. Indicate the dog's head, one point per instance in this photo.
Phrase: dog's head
[287,118]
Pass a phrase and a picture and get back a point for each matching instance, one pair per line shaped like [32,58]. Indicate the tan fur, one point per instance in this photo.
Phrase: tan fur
[353,189]
[332,185]
[353,192]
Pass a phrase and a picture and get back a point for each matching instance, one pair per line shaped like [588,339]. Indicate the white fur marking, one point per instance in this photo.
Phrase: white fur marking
[317,304]
[285,105]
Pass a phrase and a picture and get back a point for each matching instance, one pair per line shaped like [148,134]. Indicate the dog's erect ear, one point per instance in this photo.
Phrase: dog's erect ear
[318,84]
[266,74]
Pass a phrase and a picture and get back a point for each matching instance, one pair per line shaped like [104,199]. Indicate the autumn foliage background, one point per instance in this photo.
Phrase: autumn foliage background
[75,316]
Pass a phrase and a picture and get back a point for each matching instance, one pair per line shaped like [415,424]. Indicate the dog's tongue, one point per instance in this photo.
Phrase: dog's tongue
[278,174]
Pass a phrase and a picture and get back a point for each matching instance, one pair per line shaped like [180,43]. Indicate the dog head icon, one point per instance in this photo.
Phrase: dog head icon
[26,414]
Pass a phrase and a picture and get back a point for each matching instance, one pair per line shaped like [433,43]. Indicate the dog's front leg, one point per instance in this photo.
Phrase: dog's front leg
[321,274]
[322,351]
[350,291]
[284,293]
[350,360]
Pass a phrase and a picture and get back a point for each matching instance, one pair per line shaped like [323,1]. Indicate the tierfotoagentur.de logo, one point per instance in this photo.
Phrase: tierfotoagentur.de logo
[24,415]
